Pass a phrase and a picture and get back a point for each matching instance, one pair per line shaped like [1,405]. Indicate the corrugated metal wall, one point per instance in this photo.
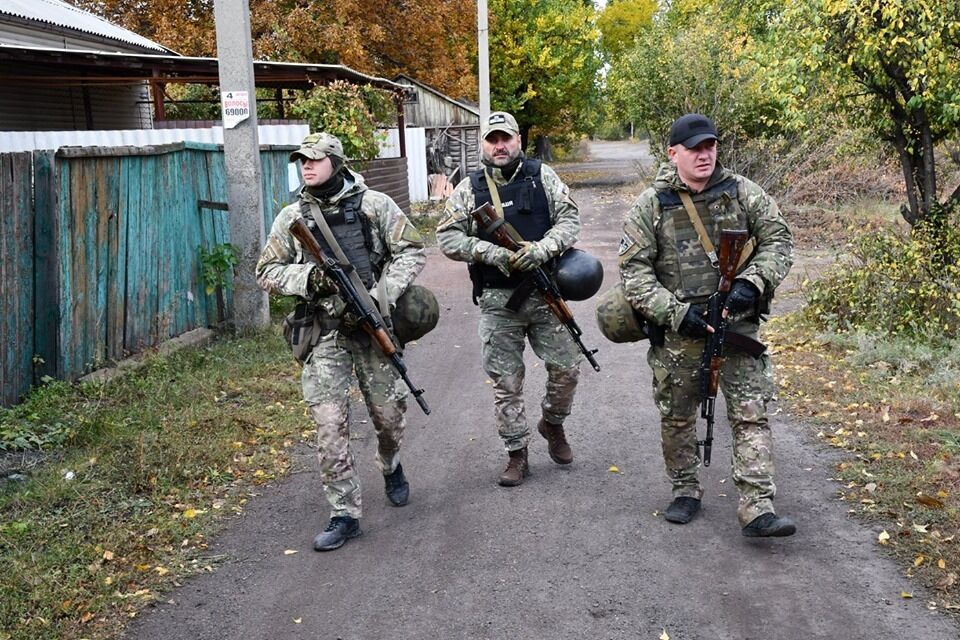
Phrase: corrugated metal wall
[26,34]
[416,152]
[53,105]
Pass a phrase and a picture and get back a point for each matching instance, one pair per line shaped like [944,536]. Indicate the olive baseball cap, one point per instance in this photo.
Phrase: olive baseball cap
[500,121]
[318,146]
[691,129]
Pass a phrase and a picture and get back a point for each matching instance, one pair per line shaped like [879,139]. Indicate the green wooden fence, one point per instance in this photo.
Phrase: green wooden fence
[100,252]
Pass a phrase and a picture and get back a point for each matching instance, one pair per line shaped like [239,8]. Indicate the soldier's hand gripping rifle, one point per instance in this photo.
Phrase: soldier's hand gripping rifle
[506,236]
[731,246]
[369,318]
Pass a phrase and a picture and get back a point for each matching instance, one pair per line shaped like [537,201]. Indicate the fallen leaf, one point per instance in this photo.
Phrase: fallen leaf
[913,455]
[614,469]
[190,513]
[161,570]
[289,552]
[884,537]
[918,561]
[905,595]
[929,501]
[297,620]
[108,555]
[920,528]
[870,487]
[664,635]
[85,618]
[941,564]
[947,581]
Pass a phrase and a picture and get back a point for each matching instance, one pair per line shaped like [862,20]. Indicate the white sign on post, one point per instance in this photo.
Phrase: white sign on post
[235,106]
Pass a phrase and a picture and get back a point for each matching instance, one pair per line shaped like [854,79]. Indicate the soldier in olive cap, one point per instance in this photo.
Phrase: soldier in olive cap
[386,250]
[537,203]
[668,275]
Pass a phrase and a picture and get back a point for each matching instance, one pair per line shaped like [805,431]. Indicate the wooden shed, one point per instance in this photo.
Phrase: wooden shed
[452,129]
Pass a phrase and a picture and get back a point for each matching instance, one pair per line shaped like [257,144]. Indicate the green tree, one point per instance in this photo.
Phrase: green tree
[892,66]
[620,22]
[544,64]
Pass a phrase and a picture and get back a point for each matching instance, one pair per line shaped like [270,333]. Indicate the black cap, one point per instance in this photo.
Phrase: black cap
[691,129]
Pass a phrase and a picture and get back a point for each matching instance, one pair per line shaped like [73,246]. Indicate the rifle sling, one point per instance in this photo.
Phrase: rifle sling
[341,258]
[744,343]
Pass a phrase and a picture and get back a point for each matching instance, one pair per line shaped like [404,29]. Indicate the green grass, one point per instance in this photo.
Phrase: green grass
[152,463]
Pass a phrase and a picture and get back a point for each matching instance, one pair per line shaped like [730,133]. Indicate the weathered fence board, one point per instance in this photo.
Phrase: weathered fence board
[16,276]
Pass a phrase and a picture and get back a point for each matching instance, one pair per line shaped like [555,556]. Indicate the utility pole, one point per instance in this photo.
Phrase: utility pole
[241,148]
[483,60]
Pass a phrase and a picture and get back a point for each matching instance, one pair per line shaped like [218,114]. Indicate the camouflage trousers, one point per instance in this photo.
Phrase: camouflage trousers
[502,335]
[747,385]
[327,377]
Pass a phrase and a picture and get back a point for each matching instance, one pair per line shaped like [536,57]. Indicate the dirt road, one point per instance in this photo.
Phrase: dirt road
[575,552]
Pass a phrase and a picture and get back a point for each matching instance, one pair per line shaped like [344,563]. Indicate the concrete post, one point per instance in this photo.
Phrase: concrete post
[241,146]
[483,60]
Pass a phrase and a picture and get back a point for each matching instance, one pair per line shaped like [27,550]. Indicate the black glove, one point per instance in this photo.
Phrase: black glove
[742,297]
[693,324]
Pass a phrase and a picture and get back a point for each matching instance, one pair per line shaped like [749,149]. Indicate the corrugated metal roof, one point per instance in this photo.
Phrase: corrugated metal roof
[61,14]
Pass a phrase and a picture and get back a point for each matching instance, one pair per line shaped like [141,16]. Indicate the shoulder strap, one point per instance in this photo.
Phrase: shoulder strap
[698,225]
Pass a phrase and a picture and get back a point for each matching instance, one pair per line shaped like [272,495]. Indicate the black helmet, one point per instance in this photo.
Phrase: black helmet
[578,274]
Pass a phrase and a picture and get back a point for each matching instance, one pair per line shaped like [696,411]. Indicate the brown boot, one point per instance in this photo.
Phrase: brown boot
[516,470]
[557,446]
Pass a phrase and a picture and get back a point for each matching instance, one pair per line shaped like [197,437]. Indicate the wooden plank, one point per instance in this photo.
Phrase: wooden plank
[114,256]
[46,263]
[136,288]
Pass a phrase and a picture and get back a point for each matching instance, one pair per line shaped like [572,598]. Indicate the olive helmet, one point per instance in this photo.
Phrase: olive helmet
[616,317]
[578,274]
[416,314]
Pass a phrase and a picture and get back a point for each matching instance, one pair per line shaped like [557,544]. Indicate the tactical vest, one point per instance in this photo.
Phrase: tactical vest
[351,227]
[682,261]
[525,207]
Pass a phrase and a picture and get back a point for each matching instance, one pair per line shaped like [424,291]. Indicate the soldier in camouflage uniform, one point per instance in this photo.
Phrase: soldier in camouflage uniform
[383,245]
[537,203]
[668,277]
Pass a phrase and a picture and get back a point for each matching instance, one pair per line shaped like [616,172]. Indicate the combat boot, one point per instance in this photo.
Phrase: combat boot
[682,510]
[770,525]
[557,446]
[397,487]
[340,529]
[517,469]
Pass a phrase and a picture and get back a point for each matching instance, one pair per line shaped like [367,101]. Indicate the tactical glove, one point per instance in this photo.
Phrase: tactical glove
[742,297]
[500,258]
[320,284]
[530,256]
[693,324]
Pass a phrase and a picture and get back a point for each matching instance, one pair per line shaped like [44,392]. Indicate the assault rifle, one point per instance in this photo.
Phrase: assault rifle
[370,321]
[731,246]
[507,237]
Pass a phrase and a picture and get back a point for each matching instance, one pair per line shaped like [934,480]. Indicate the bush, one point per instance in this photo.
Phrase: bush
[897,285]
[351,113]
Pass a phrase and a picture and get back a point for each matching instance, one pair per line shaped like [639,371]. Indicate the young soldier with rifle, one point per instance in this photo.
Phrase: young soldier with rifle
[509,285]
[351,255]
[672,275]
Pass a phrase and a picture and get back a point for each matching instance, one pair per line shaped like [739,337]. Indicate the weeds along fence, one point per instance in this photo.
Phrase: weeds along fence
[100,251]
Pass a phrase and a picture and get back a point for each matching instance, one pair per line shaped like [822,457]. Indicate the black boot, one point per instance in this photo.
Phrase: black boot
[682,510]
[397,487]
[340,529]
[770,525]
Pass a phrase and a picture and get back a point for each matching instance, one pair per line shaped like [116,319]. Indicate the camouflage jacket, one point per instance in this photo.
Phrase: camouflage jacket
[457,232]
[645,237]
[397,247]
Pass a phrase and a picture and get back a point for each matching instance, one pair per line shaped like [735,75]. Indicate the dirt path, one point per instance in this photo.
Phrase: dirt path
[576,552]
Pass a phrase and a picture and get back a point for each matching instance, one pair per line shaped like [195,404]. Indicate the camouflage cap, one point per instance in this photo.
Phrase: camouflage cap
[500,121]
[416,314]
[318,146]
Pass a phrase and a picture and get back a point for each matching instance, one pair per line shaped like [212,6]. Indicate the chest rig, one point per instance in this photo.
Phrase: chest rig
[525,207]
[352,230]
[682,262]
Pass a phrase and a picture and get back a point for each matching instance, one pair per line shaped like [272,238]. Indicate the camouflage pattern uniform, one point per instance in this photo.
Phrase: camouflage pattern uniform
[653,247]
[328,372]
[502,331]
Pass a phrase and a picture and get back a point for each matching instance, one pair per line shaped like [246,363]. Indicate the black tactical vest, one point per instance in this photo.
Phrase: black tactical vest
[351,227]
[525,207]
[683,263]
